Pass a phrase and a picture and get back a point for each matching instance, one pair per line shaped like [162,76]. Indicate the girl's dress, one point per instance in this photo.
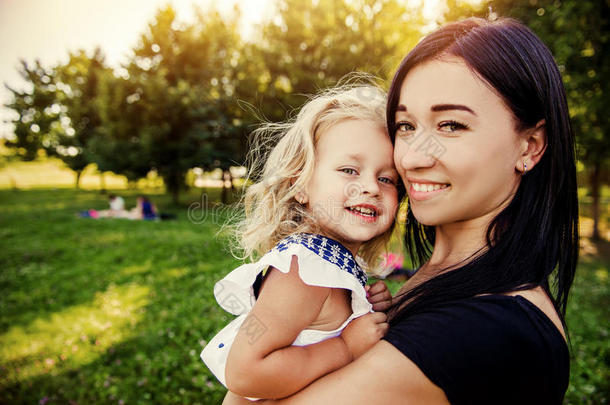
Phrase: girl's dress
[323,262]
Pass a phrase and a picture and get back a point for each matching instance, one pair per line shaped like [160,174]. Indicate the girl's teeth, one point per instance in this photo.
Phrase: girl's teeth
[428,187]
[364,211]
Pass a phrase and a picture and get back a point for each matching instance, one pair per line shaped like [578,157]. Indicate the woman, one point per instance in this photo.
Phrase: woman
[483,143]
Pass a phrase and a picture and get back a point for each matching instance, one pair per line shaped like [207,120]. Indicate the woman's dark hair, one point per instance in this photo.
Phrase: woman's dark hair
[534,240]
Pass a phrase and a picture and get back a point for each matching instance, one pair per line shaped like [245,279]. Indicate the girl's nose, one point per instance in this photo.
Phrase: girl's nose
[370,185]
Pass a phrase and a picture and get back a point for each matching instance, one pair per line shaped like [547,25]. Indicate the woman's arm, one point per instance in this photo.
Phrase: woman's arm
[262,362]
[383,375]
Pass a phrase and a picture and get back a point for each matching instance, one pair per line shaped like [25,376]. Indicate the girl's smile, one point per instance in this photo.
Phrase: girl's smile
[352,191]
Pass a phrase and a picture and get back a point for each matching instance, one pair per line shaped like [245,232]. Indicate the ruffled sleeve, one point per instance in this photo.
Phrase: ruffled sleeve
[322,262]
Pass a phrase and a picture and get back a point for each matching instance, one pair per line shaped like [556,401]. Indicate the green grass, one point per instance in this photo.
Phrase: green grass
[102,311]
[117,311]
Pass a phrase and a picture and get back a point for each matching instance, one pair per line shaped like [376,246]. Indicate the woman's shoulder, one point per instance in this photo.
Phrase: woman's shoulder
[522,315]
[485,341]
[539,299]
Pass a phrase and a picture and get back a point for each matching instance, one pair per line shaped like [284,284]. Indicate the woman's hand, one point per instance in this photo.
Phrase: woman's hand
[234,399]
[363,332]
[379,295]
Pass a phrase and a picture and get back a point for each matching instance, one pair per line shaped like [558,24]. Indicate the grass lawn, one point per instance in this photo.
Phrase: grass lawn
[117,311]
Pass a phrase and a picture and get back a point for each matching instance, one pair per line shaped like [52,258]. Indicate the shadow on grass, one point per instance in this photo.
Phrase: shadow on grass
[99,311]
[139,370]
[66,282]
[52,260]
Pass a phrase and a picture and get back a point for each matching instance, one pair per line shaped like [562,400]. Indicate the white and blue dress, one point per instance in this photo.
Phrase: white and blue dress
[323,262]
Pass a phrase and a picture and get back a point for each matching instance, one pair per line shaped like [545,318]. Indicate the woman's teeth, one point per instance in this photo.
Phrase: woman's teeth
[428,187]
[364,211]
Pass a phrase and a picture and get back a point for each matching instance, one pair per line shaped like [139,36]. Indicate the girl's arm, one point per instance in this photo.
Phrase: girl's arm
[262,362]
[379,295]
[382,375]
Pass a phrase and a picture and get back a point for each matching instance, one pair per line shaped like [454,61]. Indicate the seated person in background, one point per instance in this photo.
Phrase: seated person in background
[117,206]
[117,209]
[144,209]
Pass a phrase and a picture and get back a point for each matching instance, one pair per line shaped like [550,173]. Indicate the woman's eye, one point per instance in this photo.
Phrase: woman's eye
[404,126]
[349,170]
[452,126]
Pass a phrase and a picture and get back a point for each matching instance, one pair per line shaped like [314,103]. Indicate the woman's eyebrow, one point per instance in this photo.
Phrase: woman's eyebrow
[441,107]
[446,107]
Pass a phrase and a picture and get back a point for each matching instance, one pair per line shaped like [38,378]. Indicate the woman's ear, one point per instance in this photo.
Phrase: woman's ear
[533,146]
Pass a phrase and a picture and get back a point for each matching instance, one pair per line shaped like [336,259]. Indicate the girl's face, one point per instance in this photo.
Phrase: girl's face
[456,146]
[352,192]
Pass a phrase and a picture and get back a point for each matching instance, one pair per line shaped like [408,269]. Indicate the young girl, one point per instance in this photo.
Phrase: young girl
[328,194]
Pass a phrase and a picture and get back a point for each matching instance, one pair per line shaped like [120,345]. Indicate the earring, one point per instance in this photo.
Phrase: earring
[524,168]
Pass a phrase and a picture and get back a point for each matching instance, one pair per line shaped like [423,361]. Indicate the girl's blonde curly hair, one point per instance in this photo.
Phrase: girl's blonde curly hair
[282,161]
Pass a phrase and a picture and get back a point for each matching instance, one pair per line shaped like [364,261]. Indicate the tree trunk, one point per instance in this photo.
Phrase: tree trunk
[175,195]
[102,183]
[173,186]
[223,195]
[78,174]
[13,181]
[226,175]
[594,181]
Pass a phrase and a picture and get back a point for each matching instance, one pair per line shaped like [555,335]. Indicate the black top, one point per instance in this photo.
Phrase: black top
[491,349]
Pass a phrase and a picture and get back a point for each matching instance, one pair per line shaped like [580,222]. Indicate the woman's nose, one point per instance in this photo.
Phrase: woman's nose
[418,154]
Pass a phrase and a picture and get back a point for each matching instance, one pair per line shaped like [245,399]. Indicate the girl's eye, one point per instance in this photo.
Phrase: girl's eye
[452,126]
[387,180]
[349,170]
[404,126]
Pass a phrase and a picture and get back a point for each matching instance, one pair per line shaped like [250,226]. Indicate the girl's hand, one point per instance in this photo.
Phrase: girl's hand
[363,332]
[379,295]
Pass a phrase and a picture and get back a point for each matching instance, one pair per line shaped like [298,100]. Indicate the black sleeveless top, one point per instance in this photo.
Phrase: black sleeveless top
[492,349]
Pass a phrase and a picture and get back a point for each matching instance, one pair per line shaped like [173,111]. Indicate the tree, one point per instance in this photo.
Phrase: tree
[183,76]
[311,45]
[79,91]
[59,114]
[37,109]
[116,145]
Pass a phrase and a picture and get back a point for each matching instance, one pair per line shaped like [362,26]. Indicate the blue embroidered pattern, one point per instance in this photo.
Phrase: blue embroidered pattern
[329,250]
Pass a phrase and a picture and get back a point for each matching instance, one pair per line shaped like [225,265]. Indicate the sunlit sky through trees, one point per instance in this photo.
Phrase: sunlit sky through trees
[49,29]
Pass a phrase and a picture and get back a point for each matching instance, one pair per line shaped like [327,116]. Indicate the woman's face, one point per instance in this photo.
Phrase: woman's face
[456,147]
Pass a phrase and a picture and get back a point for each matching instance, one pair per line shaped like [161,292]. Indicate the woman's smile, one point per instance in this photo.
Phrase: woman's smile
[476,171]
[425,191]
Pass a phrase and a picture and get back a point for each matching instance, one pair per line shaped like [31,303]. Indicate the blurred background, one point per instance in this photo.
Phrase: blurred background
[154,98]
